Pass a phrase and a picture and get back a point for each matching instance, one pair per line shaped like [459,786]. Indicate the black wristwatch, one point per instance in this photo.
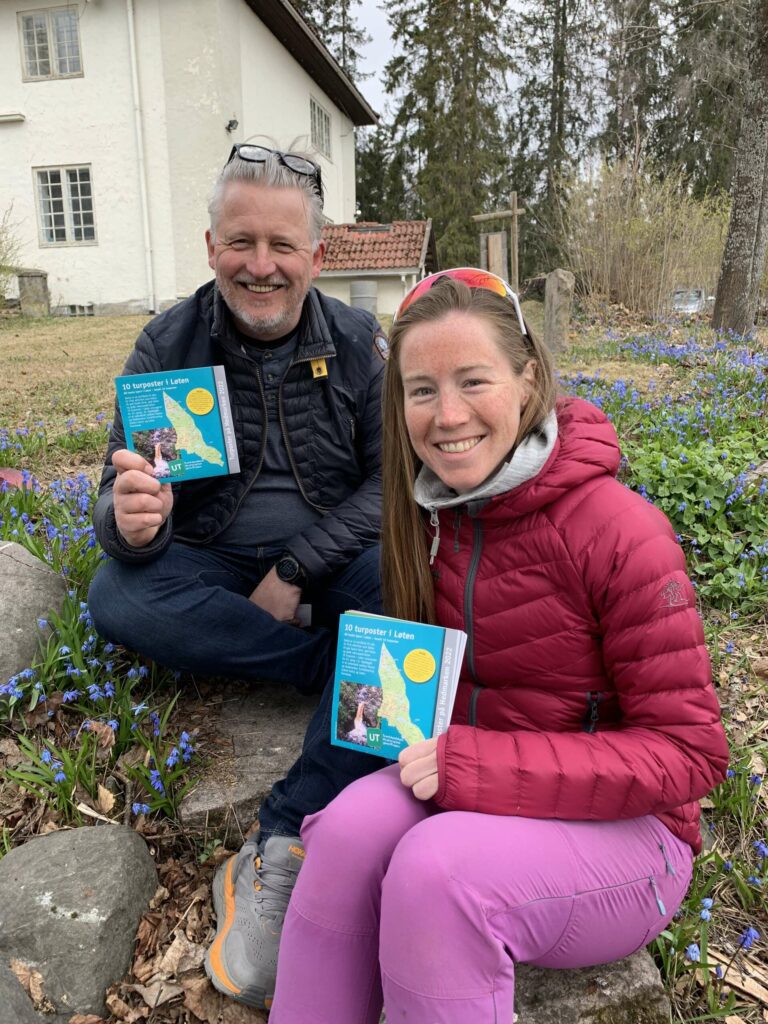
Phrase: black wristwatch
[289,570]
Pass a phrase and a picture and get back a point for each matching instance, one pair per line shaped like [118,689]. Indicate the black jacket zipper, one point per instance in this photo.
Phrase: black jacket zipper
[593,711]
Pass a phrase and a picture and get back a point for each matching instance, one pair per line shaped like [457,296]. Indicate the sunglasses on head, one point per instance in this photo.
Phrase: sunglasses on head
[298,164]
[473,278]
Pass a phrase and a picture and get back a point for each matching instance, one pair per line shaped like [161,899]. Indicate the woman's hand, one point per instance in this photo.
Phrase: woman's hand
[418,769]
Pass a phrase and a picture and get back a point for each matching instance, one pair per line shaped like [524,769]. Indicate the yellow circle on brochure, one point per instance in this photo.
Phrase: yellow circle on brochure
[199,401]
[419,665]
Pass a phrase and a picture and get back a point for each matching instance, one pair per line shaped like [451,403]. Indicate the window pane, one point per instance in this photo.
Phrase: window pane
[81,203]
[51,206]
[66,204]
[66,42]
[35,35]
[320,128]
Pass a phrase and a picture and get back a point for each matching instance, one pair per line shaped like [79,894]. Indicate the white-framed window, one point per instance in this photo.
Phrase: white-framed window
[65,205]
[50,43]
[320,124]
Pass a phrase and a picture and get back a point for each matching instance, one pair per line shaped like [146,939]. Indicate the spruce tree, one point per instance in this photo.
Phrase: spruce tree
[558,48]
[335,24]
[702,91]
[447,81]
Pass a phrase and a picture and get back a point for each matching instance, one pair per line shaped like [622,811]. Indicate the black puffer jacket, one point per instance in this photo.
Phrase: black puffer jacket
[331,424]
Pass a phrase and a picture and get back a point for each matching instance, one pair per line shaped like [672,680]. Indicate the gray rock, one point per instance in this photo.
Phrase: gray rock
[264,730]
[626,992]
[558,296]
[29,590]
[70,903]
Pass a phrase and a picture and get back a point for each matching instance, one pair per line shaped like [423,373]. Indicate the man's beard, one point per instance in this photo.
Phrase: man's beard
[257,324]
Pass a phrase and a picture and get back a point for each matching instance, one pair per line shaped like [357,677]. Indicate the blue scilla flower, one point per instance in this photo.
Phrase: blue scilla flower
[60,776]
[748,937]
[156,781]
[46,757]
[755,880]
[761,847]
[113,724]
[132,674]
[64,649]
[755,779]
[705,914]
[138,708]
[42,623]
[693,952]
[707,903]
[109,648]
[109,688]
[138,808]
[727,865]
[70,695]
[173,758]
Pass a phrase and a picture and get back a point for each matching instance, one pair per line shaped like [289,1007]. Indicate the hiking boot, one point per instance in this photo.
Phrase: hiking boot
[250,896]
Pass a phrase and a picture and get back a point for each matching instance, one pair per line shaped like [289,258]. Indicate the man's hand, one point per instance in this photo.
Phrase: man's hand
[142,503]
[280,599]
[418,769]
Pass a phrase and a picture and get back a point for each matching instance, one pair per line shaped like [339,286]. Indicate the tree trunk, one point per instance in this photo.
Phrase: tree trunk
[744,257]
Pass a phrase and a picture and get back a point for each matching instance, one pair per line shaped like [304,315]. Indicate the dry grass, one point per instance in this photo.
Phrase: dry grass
[59,367]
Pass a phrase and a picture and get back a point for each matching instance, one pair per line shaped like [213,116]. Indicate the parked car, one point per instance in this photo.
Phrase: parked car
[691,300]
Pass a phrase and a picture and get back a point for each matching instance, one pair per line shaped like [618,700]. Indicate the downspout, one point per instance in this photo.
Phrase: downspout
[139,130]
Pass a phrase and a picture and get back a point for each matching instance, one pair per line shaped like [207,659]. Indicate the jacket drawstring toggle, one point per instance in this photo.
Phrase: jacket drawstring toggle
[434,521]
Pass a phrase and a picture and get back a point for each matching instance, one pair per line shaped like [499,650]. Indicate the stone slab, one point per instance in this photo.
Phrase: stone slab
[262,732]
[628,991]
[70,903]
[29,590]
[558,296]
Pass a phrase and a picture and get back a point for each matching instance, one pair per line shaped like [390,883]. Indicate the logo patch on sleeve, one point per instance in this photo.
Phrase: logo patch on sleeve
[672,595]
[381,346]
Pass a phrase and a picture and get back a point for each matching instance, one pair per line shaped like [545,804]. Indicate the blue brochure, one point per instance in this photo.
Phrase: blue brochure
[180,421]
[395,682]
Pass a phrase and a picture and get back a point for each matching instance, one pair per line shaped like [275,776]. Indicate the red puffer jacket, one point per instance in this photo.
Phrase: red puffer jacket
[586,691]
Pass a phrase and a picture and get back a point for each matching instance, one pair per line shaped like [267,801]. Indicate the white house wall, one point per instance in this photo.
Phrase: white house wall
[390,289]
[275,103]
[200,64]
[76,121]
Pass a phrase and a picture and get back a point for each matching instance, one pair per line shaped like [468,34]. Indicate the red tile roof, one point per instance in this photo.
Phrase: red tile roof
[368,246]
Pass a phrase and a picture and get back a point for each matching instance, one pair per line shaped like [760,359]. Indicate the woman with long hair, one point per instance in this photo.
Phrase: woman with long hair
[556,821]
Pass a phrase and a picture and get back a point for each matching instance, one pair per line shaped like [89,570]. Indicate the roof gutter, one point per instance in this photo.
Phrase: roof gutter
[371,272]
[305,48]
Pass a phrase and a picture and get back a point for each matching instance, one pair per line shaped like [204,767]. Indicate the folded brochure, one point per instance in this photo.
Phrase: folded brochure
[180,421]
[395,682]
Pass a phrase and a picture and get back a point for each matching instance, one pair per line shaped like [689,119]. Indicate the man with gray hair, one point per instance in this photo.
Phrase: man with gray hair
[207,576]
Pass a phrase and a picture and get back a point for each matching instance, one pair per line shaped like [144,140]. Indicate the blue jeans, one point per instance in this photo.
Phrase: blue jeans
[189,610]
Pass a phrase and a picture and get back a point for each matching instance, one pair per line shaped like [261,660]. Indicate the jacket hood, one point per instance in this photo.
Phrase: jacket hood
[574,444]
[586,447]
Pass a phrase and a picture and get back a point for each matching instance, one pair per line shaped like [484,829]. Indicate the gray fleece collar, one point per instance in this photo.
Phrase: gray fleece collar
[527,462]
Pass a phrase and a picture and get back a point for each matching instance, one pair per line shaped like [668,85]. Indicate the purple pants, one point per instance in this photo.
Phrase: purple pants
[429,911]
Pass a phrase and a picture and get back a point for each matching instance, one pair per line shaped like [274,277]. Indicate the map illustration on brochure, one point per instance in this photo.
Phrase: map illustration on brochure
[180,421]
[395,682]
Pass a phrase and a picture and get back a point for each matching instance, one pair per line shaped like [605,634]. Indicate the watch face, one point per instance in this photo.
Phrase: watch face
[287,569]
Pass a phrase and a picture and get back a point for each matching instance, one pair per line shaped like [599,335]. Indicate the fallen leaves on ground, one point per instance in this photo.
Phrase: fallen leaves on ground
[32,983]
